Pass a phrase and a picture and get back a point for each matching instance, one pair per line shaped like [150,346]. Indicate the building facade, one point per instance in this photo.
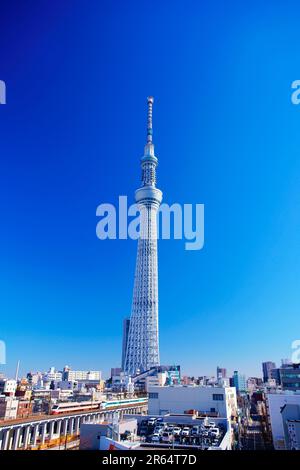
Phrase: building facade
[291,426]
[8,408]
[81,375]
[8,387]
[239,382]
[275,402]
[218,401]
[267,368]
[221,372]
[290,377]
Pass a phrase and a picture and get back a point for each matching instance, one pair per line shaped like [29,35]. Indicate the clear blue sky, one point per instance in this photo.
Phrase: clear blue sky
[226,134]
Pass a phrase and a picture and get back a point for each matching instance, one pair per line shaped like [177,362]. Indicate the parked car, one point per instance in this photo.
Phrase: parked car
[185,431]
[155,437]
[151,421]
[214,431]
[195,431]
[176,431]
[167,437]
[158,430]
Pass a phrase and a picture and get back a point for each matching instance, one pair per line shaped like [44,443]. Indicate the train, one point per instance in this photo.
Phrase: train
[71,407]
[120,403]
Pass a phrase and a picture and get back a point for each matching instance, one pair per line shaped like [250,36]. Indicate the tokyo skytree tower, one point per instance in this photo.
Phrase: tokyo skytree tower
[142,350]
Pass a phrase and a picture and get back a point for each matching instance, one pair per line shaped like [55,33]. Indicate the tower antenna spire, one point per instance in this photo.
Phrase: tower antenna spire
[150,101]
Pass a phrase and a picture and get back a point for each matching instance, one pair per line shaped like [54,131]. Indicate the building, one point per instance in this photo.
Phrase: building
[290,377]
[67,385]
[216,401]
[267,368]
[221,373]
[115,371]
[158,380]
[239,382]
[52,375]
[25,408]
[91,434]
[286,362]
[275,402]
[126,325]
[8,387]
[158,375]
[81,375]
[8,407]
[291,426]
[23,394]
[275,375]
[33,378]
[142,351]
[251,384]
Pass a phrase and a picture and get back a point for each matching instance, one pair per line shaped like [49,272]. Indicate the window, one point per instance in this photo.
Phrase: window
[218,396]
[153,395]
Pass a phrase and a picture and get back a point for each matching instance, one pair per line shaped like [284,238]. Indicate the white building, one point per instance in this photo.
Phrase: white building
[52,375]
[8,386]
[181,398]
[158,380]
[275,402]
[83,375]
[67,385]
[8,407]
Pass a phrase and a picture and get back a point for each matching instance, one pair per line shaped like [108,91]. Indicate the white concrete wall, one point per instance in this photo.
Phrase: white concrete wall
[275,402]
[178,399]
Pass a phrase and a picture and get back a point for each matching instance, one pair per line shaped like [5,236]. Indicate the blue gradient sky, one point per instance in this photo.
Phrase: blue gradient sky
[226,135]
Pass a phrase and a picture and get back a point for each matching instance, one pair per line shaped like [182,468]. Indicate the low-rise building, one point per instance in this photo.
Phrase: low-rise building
[91,434]
[81,375]
[291,426]
[275,402]
[8,387]
[8,408]
[25,408]
[220,401]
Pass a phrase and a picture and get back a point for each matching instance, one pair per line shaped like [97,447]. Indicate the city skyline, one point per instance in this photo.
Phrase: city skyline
[71,133]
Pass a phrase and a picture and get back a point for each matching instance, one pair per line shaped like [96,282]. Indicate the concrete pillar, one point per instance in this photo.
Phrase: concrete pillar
[51,430]
[58,427]
[71,426]
[35,434]
[6,433]
[26,437]
[44,432]
[65,427]
[16,438]
[77,425]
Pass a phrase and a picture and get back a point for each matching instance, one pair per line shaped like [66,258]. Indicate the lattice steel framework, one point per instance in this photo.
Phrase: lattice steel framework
[142,344]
